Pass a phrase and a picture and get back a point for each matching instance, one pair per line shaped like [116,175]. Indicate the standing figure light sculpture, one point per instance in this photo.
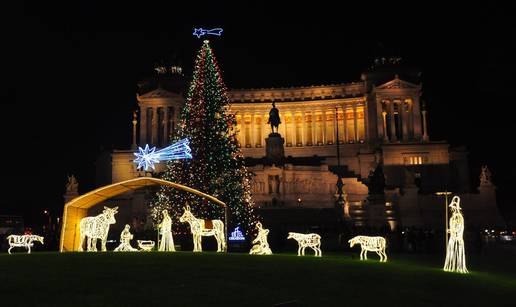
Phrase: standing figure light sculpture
[165,228]
[370,244]
[23,241]
[125,241]
[96,227]
[455,255]
[311,240]
[203,228]
[261,245]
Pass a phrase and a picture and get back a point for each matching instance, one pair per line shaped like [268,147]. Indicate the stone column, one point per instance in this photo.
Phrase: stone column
[154,136]
[303,129]
[166,138]
[335,126]
[323,127]
[425,134]
[355,121]
[385,137]
[366,121]
[293,130]
[264,133]
[379,118]
[283,126]
[345,120]
[253,138]
[143,126]
[314,142]
[242,131]
[416,113]
[404,121]
[135,122]
[392,123]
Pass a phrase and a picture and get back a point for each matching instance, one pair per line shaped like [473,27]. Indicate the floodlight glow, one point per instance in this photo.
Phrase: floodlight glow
[311,240]
[165,228]
[236,235]
[125,241]
[199,230]
[23,241]
[261,245]
[370,244]
[96,227]
[147,157]
[201,32]
[455,254]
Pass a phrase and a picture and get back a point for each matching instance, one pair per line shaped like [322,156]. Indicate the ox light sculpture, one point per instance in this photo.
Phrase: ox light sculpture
[370,244]
[96,227]
[261,245]
[23,241]
[455,254]
[203,228]
[165,228]
[311,240]
[125,241]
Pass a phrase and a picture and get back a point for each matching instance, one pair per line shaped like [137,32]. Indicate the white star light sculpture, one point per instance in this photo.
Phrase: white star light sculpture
[146,157]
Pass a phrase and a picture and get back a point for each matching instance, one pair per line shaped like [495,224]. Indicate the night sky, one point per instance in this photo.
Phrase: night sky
[71,70]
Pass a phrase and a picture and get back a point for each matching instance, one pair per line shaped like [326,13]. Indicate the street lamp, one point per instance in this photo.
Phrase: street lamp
[445,193]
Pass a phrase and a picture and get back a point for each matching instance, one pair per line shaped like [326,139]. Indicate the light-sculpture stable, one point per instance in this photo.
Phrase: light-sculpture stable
[147,157]
[261,245]
[370,244]
[203,228]
[23,241]
[165,228]
[311,240]
[96,227]
[146,245]
[201,32]
[455,254]
[125,241]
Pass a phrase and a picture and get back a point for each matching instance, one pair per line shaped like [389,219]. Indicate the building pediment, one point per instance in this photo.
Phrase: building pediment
[158,93]
[397,83]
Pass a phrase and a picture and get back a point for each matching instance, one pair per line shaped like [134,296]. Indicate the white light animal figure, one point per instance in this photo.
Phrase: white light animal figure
[146,245]
[455,254]
[370,244]
[146,157]
[23,241]
[125,241]
[165,228]
[96,227]
[199,229]
[261,245]
[311,240]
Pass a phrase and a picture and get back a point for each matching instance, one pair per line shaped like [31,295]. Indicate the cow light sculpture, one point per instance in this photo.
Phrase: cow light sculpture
[370,244]
[96,227]
[23,241]
[311,240]
[455,254]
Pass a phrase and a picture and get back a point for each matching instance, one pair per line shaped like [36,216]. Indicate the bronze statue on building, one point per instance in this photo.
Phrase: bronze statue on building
[274,118]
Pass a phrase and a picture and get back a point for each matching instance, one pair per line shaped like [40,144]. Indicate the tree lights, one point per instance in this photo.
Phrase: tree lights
[202,228]
[455,254]
[23,241]
[261,245]
[125,241]
[311,240]
[370,244]
[96,227]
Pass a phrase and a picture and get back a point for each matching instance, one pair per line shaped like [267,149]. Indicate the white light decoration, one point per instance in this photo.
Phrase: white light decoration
[23,241]
[236,235]
[370,244]
[201,32]
[311,240]
[455,254]
[145,245]
[147,157]
[125,241]
[96,227]
[199,230]
[261,245]
[165,228]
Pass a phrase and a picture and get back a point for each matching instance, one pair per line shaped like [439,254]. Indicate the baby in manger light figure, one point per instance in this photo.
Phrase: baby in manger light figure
[261,246]
[165,228]
[125,241]
[455,255]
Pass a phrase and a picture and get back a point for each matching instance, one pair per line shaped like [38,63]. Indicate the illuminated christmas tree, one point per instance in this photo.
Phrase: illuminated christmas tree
[217,167]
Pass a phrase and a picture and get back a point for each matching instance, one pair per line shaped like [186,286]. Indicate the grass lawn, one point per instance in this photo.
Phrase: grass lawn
[210,279]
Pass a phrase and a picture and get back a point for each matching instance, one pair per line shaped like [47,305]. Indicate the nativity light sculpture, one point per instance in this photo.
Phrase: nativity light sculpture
[125,241]
[203,228]
[261,245]
[23,241]
[455,254]
[146,245]
[370,244]
[147,157]
[96,227]
[311,240]
[165,228]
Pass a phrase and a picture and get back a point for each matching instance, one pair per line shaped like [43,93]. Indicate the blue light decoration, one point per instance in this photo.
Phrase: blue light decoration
[236,235]
[201,32]
[146,157]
